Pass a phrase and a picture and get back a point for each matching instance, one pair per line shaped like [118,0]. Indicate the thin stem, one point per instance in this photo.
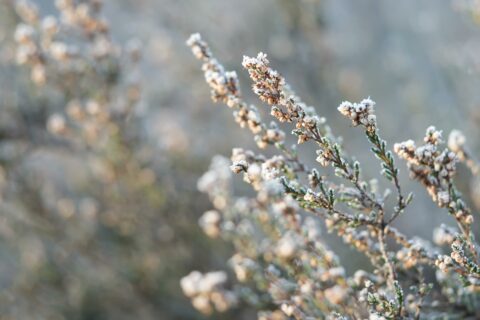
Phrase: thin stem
[389,169]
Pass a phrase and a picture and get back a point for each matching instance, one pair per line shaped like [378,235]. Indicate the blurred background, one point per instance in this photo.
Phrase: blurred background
[100,153]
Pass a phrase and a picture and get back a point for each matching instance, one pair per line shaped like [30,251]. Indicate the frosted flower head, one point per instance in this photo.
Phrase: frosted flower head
[210,223]
[27,10]
[255,62]
[271,169]
[310,195]
[360,277]
[288,309]
[336,294]
[190,283]
[443,198]
[196,283]
[425,152]
[254,172]
[239,154]
[287,206]
[59,51]
[56,124]
[212,280]
[433,136]
[443,235]
[360,113]
[242,267]
[24,33]
[368,104]
[405,150]
[223,300]
[275,135]
[456,140]
[216,181]
[38,74]
[287,246]
[224,84]
[25,54]
[199,47]
[194,39]
[50,25]
[268,84]
[270,189]
[239,166]
[346,108]
[202,304]
[312,229]
[323,157]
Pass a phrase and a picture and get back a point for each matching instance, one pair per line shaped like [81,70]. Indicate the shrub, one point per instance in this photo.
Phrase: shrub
[281,263]
[87,227]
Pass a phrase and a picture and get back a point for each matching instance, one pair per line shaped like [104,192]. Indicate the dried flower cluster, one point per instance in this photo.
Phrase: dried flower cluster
[206,291]
[282,264]
[74,54]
